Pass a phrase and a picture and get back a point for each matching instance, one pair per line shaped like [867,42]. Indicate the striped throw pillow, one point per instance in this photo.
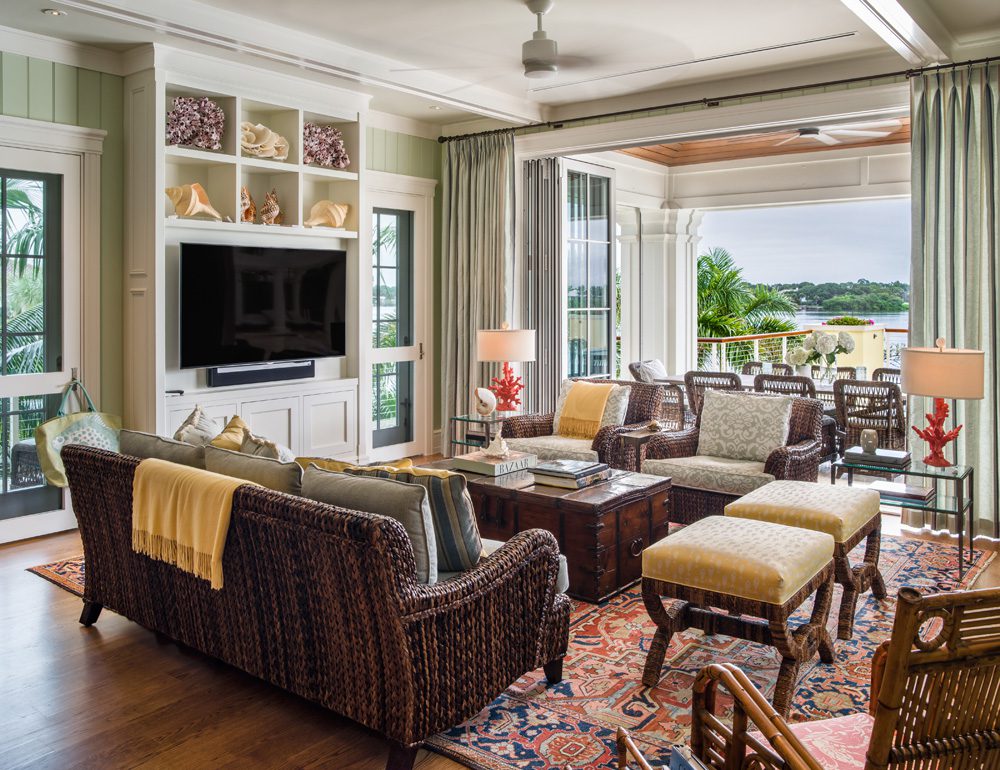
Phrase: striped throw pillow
[459,547]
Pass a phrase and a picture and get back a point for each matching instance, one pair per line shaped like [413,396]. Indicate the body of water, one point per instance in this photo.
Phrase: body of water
[890,320]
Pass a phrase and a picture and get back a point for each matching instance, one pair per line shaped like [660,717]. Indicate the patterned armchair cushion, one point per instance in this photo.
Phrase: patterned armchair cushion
[742,426]
[614,410]
[555,447]
[840,743]
[716,474]
[838,511]
[491,546]
[753,560]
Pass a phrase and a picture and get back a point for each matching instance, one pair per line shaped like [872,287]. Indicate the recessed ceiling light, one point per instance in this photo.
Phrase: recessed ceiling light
[434,107]
[53,12]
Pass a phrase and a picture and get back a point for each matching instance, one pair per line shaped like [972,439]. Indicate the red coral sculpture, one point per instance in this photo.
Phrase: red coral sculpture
[507,389]
[936,436]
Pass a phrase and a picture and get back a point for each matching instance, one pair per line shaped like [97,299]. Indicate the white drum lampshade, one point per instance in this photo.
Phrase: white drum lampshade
[505,345]
[942,372]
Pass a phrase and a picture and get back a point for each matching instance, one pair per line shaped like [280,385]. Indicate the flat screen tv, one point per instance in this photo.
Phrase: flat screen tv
[246,305]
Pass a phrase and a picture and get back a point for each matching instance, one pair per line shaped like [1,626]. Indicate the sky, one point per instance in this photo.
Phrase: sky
[816,242]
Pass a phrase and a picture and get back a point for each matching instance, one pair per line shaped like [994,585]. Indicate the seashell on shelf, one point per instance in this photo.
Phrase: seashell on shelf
[191,200]
[327,214]
[258,140]
[270,212]
[248,209]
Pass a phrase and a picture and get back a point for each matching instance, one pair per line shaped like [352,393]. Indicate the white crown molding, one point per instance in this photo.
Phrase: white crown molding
[902,32]
[383,181]
[56,137]
[60,51]
[403,125]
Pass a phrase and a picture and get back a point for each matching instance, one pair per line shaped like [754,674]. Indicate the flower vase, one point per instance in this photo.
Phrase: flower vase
[803,370]
[828,374]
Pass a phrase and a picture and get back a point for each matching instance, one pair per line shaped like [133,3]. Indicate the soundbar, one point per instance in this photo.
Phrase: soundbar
[220,376]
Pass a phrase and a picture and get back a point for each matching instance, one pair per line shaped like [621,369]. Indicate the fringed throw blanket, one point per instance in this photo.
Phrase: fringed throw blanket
[180,515]
[581,416]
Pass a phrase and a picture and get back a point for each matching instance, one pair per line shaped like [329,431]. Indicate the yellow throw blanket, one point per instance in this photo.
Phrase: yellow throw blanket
[584,408]
[180,515]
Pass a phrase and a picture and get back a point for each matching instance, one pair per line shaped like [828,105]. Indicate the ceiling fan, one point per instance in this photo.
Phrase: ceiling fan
[540,55]
[830,135]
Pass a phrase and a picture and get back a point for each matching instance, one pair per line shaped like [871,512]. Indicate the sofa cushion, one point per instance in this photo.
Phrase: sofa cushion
[145,445]
[716,474]
[491,546]
[456,532]
[753,560]
[232,435]
[279,476]
[743,426]
[614,410]
[406,503]
[198,428]
[555,447]
[837,510]
[258,446]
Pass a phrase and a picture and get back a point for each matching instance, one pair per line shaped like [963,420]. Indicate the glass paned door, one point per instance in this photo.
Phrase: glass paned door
[590,296]
[392,327]
[30,333]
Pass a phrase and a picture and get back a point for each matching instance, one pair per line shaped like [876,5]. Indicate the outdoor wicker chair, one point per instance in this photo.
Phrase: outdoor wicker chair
[798,460]
[843,372]
[752,367]
[645,403]
[887,374]
[786,369]
[866,404]
[696,383]
[804,387]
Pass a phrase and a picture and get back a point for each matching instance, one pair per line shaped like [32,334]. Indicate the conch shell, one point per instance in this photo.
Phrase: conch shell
[190,200]
[248,209]
[327,214]
[270,212]
[260,141]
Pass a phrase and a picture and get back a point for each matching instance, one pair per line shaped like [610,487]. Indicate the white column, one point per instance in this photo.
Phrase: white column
[663,300]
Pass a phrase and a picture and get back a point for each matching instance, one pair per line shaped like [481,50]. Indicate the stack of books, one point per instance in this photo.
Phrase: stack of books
[895,491]
[481,463]
[889,458]
[570,474]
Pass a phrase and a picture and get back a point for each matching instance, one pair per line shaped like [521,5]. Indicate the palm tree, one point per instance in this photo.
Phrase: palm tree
[25,308]
[728,306]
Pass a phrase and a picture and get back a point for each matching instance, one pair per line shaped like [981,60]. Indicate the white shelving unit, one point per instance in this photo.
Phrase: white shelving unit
[153,234]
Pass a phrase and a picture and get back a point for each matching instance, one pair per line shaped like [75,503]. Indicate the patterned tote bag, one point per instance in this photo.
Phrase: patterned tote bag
[87,426]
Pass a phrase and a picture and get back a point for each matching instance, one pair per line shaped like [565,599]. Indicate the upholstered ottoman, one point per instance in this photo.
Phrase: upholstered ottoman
[849,514]
[757,573]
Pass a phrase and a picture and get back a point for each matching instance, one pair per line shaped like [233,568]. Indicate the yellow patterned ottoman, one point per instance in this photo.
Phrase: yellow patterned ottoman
[741,578]
[849,514]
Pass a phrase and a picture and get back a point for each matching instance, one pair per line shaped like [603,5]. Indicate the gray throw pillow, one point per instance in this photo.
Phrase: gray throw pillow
[406,503]
[281,477]
[743,427]
[146,445]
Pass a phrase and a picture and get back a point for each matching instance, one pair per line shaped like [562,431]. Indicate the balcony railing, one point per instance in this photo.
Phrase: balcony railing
[730,353]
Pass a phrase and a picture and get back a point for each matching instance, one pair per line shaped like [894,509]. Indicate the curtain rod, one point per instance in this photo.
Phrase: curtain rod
[717,100]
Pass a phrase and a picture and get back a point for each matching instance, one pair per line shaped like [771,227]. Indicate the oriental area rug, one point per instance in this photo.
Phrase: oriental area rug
[531,726]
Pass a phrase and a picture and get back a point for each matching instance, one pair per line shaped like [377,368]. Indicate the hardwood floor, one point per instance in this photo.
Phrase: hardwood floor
[116,695]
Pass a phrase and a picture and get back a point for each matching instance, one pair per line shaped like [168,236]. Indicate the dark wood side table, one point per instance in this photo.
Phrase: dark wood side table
[602,530]
[634,446]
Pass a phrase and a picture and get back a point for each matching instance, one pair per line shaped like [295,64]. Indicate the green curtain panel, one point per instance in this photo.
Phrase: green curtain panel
[477,247]
[956,249]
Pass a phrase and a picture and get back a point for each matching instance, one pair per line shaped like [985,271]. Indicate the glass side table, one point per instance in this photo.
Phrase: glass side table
[464,433]
[958,504]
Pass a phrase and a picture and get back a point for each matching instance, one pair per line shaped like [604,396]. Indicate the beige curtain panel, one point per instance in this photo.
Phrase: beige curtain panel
[477,247]
[956,249]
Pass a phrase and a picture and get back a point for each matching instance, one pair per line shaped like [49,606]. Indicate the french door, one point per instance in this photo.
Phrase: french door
[40,325]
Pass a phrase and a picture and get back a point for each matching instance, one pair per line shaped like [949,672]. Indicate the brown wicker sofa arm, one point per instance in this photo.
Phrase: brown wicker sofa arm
[682,443]
[609,447]
[528,426]
[739,746]
[798,462]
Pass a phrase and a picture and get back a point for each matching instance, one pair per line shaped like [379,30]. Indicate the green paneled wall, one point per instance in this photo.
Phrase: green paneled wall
[43,90]
[397,153]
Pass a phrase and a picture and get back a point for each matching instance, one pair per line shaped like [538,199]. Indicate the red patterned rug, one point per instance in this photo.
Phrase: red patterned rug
[531,727]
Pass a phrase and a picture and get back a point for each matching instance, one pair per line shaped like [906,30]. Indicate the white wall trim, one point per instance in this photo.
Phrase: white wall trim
[60,51]
[403,125]
[29,134]
[38,524]
[384,181]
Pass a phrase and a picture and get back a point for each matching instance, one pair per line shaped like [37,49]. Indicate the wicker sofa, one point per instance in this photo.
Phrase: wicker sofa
[323,602]
[798,460]
[645,403]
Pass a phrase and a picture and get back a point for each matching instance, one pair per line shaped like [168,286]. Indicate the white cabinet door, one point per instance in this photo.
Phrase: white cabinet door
[276,419]
[330,424]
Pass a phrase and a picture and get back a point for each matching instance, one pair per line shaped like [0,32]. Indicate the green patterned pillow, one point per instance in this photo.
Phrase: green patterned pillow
[459,547]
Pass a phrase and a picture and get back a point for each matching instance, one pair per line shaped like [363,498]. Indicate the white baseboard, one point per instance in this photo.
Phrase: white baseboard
[36,525]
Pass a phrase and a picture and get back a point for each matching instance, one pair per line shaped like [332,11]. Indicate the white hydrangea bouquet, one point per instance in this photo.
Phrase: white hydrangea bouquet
[820,347]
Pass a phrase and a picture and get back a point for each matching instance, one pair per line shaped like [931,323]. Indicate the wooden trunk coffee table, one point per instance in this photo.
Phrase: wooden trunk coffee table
[601,530]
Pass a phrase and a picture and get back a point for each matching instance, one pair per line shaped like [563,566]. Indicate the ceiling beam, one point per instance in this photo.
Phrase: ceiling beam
[893,23]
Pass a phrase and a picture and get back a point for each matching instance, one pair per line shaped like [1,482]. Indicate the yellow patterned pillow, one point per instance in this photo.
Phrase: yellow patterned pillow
[232,435]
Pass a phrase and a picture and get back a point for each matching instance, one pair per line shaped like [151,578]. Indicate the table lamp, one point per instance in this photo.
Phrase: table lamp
[941,373]
[506,345]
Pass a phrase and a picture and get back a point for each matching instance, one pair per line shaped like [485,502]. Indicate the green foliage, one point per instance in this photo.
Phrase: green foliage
[24,311]
[861,296]
[728,306]
[848,320]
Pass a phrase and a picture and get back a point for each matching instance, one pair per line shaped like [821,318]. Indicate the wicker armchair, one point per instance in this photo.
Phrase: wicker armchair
[324,602]
[804,387]
[752,367]
[872,405]
[843,372]
[645,403]
[887,374]
[934,700]
[696,383]
[797,460]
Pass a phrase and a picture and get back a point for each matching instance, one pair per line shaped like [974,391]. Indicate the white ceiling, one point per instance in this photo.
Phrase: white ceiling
[463,56]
